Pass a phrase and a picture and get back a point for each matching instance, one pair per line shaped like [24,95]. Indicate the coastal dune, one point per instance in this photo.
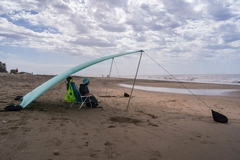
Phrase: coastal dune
[156,125]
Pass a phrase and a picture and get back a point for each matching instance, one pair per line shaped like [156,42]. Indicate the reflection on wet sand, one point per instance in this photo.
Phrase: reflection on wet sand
[210,92]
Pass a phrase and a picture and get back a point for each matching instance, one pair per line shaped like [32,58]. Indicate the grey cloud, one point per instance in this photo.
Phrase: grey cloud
[156,27]
[13,6]
[111,3]
[176,49]
[12,36]
[61,6]
[81,27]
[174,24]
[218,47]
[113,27]
[137,25]
[219,11]
[230,33]
[231,37]
[141,39]
[157,20]
[138,28]
[105,16]
[43,3]
[205,54]
[223,15]
[227,28]
[1,8]
[93,42]
[145,7]
[161,41]
[189,37]
[140,25]
[179,8]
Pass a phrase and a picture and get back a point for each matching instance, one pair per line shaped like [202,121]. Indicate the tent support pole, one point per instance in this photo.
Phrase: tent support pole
[109,75]
[134,81]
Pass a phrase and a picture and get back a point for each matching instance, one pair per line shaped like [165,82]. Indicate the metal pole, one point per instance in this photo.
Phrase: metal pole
[109,78]
[134,81]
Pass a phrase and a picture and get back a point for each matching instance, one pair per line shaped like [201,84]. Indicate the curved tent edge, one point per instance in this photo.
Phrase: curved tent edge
[35,93]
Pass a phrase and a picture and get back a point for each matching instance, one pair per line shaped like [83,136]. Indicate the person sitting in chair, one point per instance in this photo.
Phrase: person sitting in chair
[84,91]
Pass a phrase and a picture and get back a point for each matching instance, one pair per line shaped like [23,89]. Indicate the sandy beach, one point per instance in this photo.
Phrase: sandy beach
[157,126]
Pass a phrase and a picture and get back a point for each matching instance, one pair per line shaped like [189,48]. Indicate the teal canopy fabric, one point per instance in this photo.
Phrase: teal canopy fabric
[29,97]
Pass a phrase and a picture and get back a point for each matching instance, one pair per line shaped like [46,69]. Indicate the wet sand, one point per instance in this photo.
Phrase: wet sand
[156,126]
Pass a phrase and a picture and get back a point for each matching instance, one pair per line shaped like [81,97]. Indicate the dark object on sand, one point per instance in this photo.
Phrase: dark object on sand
[19,98]
[218,117]
[13,107]
[126,95]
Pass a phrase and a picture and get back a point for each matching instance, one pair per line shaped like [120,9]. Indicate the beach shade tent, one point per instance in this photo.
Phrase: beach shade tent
[32,95]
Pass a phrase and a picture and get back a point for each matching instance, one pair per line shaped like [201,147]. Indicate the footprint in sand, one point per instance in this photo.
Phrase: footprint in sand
[26,129]
[93,153]
[72,140]
[22,145]
[74,122]
[4,133]
[53,142]
[43,129]
[110,150]
[133,142]
[154,155]
[207,142]
[111,126]
[64,131]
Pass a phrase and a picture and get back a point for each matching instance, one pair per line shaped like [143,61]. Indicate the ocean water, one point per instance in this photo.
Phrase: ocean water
[200,78]
[232,79]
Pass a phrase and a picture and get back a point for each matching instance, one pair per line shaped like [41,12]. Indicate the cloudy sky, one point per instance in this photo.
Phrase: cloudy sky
[184,36]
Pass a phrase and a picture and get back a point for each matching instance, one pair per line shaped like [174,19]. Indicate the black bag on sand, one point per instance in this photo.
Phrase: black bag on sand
[13,107]
[218,117]
[126,95]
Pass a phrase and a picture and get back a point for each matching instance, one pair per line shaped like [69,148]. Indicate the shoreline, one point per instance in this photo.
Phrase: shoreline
[237,84]
[207,92]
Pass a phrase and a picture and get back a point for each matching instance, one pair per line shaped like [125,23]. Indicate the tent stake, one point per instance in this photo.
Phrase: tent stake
[134,81]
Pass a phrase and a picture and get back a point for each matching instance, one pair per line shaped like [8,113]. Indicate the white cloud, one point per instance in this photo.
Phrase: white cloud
[180,29]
